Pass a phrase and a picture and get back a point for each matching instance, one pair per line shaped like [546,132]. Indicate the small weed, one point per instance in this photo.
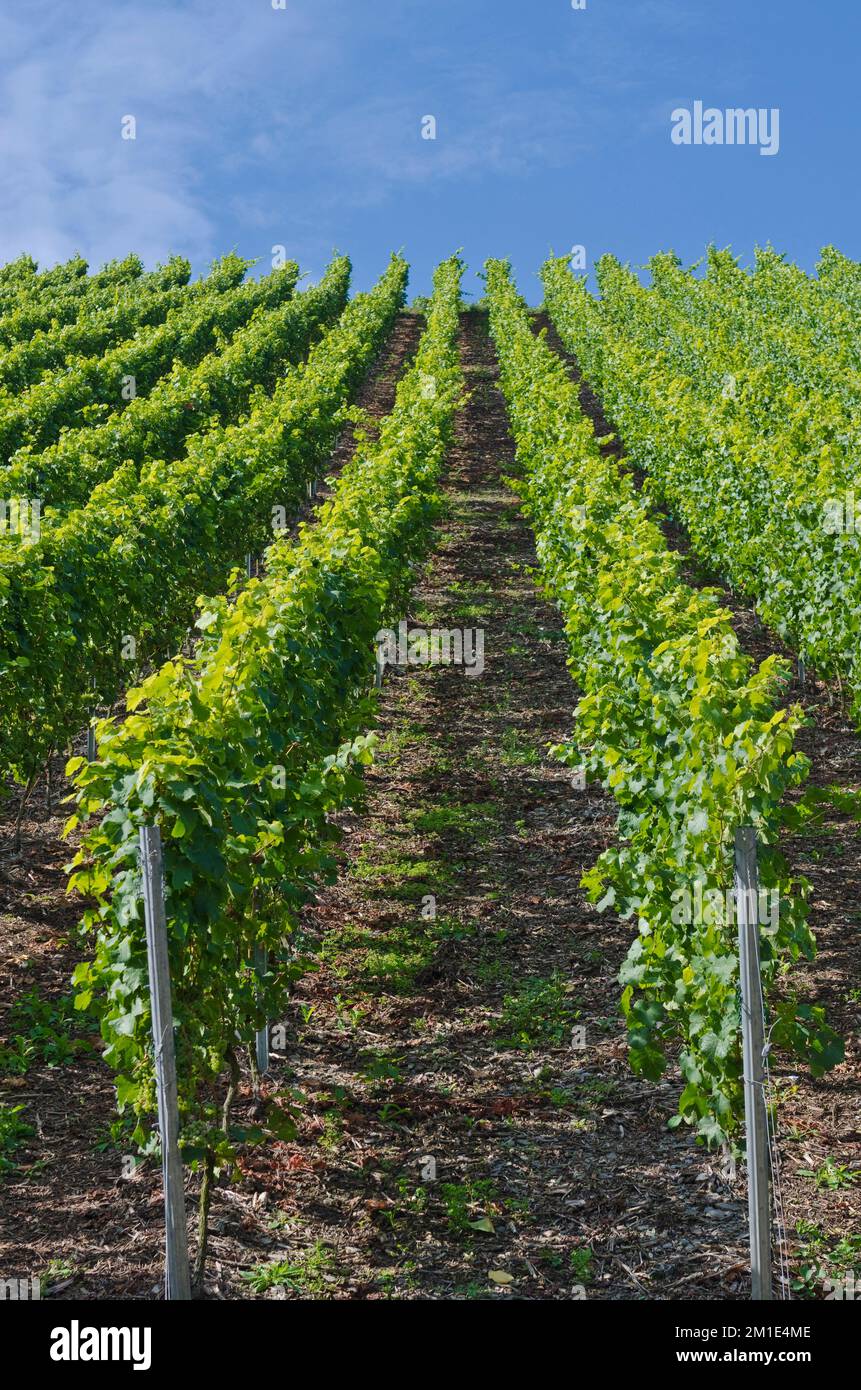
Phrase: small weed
[823,1257]
[473,1292]
[413,1196]
[831,1175]
[13,1133]
[44,1029]
[580,1262]
[307,1274]
[516,752]
[381,1066]
[333,1131]
[55,1272]
[559,1098]
[594,1091]
[540,1013]
[468,1205]
[349,1014]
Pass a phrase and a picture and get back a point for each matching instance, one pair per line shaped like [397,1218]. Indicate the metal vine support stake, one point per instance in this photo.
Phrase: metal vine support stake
[753,1049]
[262,1036]
[177,1280]
[91,736]
[380,664]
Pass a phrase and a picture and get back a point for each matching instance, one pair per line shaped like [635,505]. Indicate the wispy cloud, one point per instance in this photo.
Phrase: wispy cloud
[373,145]
[187,73]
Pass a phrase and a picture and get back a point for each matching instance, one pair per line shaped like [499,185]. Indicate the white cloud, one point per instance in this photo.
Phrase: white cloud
[187,73]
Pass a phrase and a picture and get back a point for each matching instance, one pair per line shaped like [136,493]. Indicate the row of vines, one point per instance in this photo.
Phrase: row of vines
[676,723]
[241,752]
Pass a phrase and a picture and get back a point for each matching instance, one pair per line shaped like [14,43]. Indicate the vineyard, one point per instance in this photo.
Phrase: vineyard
[452,649]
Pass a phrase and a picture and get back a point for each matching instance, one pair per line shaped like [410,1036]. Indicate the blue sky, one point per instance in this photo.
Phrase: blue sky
[259,126]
